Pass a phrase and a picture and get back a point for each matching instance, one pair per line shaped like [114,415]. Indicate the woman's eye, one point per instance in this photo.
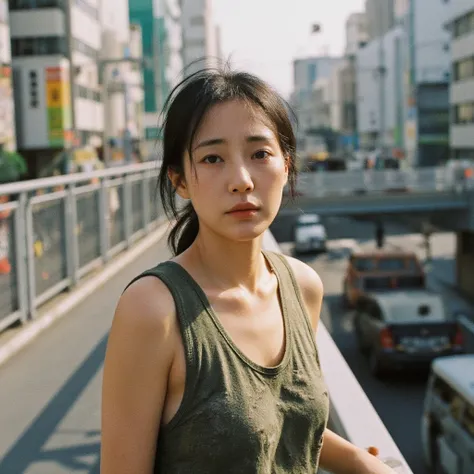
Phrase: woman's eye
[261,155]
[211,159]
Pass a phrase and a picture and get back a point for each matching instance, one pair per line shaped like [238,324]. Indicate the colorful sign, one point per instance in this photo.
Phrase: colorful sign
[58,106]
[7,115]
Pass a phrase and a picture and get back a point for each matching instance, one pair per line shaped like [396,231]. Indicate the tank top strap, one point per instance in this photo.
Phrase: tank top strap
[290,290]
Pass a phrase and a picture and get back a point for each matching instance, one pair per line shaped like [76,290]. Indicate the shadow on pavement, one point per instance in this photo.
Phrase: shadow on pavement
[29,450]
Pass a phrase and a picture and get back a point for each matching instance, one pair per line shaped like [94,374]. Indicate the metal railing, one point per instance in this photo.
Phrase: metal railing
[414,180]
[351,416]
[55,231]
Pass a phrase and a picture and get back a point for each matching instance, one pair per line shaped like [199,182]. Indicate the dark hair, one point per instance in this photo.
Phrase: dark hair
[184,111]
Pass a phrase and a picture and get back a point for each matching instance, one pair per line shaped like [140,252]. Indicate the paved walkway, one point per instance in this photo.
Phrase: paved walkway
[50,391]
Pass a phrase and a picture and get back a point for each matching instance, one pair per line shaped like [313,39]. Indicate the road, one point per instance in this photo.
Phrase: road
[398,399]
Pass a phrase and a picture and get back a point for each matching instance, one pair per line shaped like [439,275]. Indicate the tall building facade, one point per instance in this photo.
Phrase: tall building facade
[403,85]
[357,35]
[427,72]
[307,73]
[380,15]
[460,21]
[58,49]
[7,114]
[201,37]
[162,39]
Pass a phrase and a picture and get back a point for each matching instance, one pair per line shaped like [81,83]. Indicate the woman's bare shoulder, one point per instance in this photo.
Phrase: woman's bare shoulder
[147,303]
[145,319]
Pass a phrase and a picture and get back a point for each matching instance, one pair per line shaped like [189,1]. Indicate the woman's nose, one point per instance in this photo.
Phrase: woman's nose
[241,181]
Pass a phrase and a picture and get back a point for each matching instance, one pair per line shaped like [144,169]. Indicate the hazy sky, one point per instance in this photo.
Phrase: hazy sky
[263,36]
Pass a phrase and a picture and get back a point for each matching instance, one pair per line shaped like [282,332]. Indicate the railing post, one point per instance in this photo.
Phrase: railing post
[21,257]
[127,210]
[146,201]
[30,259]
[72,243]
[104,220]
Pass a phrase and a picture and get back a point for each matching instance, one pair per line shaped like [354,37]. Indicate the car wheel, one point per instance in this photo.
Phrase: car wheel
[435,461]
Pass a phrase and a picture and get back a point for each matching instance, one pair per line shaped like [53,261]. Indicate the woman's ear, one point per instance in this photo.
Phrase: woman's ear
[179,183]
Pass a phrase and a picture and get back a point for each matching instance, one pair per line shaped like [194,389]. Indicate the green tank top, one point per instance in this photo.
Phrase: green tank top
[236,416]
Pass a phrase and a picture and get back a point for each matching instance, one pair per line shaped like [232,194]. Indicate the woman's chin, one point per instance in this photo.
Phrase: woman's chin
[247,231]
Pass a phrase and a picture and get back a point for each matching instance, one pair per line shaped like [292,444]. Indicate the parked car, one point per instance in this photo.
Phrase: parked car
[402,329]
[447,426]
[379,270]
[309,234]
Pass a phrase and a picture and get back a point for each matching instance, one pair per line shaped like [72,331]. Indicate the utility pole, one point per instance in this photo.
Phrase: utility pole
[381,76]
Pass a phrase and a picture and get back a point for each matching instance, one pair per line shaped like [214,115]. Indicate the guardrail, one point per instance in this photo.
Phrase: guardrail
[352,416]
[415,180]
[54,231]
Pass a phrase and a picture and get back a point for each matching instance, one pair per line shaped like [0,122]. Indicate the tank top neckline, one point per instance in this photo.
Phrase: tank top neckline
[282,296]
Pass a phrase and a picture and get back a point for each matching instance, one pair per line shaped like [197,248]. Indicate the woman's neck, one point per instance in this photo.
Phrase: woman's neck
[227,264]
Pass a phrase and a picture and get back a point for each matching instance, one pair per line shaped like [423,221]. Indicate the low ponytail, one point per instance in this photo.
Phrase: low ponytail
[185,230]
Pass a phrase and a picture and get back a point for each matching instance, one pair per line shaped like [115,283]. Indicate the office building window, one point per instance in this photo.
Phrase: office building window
[464,69]
[464,25]
[463,113]
[86,7]
[197,21]
[85,49]
[87,93]
[33,4]
[39,46]
[312,73]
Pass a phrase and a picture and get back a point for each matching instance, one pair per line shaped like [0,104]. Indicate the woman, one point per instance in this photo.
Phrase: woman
[211,364]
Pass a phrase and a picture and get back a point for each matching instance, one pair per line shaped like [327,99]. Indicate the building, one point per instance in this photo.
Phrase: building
[306,72]
[160,23]
[380,17]
[356,33]
[370,107]
[407,106]
[427,68]
[58,54]
[460,21]
[356,38]
[7,114]
[201,37]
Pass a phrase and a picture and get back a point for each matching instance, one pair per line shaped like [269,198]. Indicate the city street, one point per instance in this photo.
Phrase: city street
[399,398]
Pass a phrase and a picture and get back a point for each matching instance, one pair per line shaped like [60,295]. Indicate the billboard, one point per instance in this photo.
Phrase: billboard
[58,106]
[7,114]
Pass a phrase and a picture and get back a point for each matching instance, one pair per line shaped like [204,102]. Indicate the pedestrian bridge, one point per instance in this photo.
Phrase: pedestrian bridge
[61,239]
[434,192]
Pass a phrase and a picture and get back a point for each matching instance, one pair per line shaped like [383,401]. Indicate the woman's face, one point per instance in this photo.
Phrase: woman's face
[236,161]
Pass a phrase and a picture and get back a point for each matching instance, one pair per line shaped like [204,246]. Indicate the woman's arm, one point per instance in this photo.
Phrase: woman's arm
[139,355]
[337,455]
[341,457]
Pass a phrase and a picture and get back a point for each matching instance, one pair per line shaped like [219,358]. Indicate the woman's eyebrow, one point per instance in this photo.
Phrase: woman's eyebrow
[221,141]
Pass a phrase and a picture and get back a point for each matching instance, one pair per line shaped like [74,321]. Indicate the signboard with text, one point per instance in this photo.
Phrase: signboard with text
[58,106]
